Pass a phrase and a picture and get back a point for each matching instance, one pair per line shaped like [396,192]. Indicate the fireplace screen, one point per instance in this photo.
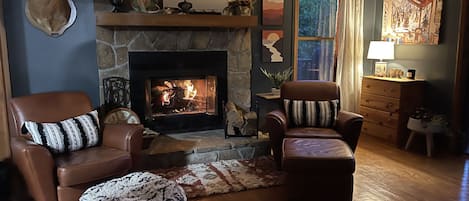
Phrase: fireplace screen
[183,96]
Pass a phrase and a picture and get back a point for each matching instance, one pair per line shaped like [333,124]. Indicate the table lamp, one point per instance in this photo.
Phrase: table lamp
[381,50]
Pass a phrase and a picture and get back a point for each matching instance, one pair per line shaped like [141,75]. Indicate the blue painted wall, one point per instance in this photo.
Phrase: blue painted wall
[434,63]
[39,63]
[259,83]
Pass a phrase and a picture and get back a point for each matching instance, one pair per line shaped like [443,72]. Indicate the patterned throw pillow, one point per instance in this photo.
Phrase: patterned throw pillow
[68,135]
[311,113]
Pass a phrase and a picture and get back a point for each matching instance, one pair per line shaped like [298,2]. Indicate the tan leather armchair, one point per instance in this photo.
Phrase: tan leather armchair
[65,176]
[347,126]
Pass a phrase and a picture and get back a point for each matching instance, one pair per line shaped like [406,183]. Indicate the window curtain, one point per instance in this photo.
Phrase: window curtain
[350,53]
[327,29]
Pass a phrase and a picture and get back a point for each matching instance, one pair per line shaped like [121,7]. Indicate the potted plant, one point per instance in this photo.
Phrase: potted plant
[277,78]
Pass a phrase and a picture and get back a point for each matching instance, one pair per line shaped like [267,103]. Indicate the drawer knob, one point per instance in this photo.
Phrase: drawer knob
[367,86]
[389,105]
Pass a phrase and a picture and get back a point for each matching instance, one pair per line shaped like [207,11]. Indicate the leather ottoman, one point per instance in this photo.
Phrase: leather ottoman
[318,169]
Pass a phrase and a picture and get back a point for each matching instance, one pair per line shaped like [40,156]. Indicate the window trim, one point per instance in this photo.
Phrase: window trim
[296,39]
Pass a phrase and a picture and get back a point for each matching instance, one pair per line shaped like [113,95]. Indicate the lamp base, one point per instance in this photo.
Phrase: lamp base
[380,69]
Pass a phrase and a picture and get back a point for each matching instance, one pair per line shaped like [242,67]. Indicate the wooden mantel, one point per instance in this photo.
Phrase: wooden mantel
[134,19]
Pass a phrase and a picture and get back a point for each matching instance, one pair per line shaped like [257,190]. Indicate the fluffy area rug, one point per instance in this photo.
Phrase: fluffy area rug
[224,176]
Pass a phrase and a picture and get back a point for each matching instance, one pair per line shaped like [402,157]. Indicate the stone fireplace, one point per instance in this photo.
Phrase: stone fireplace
[114,44]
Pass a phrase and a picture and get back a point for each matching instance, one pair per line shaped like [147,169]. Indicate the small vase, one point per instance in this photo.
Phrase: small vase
[275,90]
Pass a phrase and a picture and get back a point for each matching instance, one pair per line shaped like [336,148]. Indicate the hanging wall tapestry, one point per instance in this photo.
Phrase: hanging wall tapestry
[51,16]
[272,12]
[272,45]
[411,21]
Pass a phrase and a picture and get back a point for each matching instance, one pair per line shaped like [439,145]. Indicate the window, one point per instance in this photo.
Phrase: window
[314,37]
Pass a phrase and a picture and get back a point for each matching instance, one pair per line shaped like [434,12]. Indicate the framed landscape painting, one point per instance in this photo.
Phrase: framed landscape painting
[412,21]
[272,45]
[272,12]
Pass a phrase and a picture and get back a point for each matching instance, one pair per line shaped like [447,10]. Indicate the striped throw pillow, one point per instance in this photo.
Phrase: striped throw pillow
[68,135]
[303,113]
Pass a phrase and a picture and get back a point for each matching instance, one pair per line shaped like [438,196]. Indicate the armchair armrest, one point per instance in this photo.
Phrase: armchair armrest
[126,137]
[349,125]
[36,164]
[276,124]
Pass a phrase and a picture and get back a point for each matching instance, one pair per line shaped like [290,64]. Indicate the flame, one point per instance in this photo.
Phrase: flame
[189,90]
[165,98]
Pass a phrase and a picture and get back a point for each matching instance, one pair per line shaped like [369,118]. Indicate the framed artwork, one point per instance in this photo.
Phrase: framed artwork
[380,69]
[411,21]
[272,45]
[272,12]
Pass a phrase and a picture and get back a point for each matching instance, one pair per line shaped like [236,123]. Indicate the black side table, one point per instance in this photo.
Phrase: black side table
[265,103]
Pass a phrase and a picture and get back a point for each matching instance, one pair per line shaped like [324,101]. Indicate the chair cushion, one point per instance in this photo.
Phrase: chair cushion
[317,156]
[68,135]
[91,164]
[302,113]
[312,132]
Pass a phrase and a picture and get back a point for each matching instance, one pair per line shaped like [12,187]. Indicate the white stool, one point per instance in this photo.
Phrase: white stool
[427,128]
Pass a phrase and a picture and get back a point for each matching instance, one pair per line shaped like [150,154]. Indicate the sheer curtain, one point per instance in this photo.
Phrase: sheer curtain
[327,29]
[350,53]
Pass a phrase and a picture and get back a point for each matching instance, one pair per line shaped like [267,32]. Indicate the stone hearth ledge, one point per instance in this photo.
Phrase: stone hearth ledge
[201,147]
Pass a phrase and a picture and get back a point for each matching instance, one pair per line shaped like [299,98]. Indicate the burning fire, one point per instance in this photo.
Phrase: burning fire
[168,91]
[189,91]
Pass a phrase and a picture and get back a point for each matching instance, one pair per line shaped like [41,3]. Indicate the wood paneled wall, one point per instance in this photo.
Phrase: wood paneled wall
[5,90]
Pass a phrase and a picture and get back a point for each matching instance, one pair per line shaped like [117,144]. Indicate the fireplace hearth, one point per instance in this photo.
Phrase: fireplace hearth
[179,91]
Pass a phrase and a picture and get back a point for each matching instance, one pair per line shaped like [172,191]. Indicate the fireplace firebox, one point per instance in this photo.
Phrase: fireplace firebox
[179,91]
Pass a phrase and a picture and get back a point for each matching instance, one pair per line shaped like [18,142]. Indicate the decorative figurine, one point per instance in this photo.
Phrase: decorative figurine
[185,6]
[117,5]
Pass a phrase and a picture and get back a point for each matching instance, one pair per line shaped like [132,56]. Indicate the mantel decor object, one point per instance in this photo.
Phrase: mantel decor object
[185,6]
[238,7]
[146,6]
[117,5]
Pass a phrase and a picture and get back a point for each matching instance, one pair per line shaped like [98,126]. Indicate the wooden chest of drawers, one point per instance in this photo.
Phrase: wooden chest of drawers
[386,104]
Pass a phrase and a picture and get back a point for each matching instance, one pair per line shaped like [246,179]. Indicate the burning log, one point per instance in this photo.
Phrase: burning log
[240,122]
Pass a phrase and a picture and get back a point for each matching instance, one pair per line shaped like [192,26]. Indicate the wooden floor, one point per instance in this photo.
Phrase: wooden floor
[384,173]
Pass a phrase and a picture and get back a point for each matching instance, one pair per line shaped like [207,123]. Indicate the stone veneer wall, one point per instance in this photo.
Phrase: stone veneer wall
[113,45]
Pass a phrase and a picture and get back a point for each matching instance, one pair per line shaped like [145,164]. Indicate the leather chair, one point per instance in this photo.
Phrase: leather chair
[347,126]
[51,177]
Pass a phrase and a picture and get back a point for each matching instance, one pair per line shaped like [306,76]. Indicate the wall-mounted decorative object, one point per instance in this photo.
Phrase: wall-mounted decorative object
[51,16]
[272,12]
[272,45]
[411,21]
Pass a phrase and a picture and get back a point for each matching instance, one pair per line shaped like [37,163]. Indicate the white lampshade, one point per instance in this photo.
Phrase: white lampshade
[381,50]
